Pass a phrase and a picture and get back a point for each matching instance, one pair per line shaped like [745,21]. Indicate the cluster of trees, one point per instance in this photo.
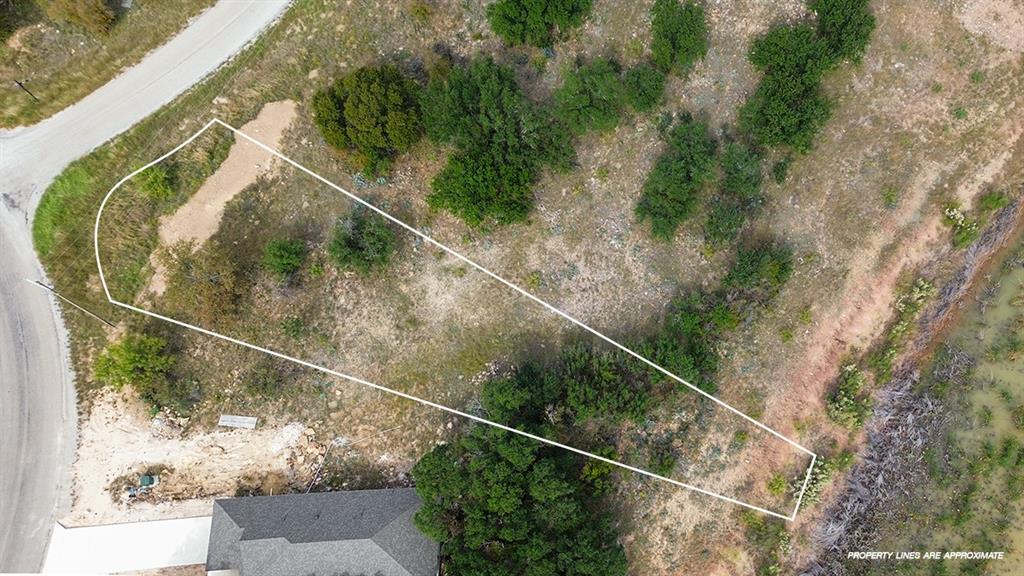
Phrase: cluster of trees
[788,108]
[502,503]
[374,110]
[594,96]
[536,22]
[739,193]
[501,141]
[142,362]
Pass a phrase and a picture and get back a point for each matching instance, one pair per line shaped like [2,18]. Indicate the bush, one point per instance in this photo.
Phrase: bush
[787,108]
[284,257]
[503,504]
[374,110]
[137,359]
[156,184]
[502,142]
[536,22]
[845,26]
[740,195]
[680,35]
[95,16]
[362,242]
[759,271]
[601,385]
[846,405]
[644,84]
[671,190]
[591,98]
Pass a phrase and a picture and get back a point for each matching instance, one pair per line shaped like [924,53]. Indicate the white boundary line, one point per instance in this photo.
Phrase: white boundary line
[478,267]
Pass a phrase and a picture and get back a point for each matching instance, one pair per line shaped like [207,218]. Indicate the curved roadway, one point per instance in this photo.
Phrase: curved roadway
[37,401]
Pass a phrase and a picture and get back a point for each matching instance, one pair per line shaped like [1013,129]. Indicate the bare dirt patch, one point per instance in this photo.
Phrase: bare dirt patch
[119,438]
[1001,21]
[199,218]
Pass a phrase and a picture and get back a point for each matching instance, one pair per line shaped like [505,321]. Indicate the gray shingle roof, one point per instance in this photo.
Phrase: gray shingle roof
[353,533]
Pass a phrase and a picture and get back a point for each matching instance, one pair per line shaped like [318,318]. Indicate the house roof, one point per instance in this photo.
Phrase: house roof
[351,533]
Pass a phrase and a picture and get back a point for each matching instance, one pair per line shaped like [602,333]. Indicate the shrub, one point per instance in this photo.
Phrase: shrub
[536,22]
[760,270]
[374,110]
[726,217]
[680,35]
[362,242]
[502,141]
[155,183]
[740,195]
[284,257]
[846,405]
[787,107]
[601,385]
[644,84]
[845,26]
[591,98]
[671,190]
[137,359]
[95,16]
[501,503]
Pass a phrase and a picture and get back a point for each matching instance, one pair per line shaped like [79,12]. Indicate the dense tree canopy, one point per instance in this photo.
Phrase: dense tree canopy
[504,504]
[536,22]
[739,195]
[788,107]
[374,110]
[845,26]
[679,35]
[644,85]
[592,97]
[502,141]
[671,191]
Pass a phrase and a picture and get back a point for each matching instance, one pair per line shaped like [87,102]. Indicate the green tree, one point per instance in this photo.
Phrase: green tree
[592,97]
[680,35]
[95,16]
[673,187]
[536,22]
[504,504]
[845,26]
[284,257]
[502,141]
[644,85]
[788,107]
[374,110]
[363,241]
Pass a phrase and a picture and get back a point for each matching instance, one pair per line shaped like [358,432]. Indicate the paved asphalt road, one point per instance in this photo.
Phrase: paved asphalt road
[37,403]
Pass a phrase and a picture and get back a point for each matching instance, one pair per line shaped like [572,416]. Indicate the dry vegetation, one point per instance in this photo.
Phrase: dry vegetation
[928,116]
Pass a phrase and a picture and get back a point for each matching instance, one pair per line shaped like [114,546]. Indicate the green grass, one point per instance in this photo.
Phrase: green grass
[56,206]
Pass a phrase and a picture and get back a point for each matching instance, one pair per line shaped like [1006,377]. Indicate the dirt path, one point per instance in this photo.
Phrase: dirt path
[199,218]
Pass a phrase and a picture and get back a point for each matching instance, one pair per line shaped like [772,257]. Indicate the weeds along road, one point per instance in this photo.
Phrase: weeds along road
[37,401]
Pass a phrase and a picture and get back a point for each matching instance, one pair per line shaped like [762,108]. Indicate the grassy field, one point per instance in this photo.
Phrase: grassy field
[60,64]
[895,150]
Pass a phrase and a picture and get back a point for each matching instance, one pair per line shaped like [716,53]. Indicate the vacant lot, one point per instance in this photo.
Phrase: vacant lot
[926,118]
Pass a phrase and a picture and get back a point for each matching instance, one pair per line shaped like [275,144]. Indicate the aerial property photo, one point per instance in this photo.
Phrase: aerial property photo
[516,287]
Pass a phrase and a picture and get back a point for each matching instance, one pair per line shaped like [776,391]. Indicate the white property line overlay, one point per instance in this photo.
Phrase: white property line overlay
[517,289]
